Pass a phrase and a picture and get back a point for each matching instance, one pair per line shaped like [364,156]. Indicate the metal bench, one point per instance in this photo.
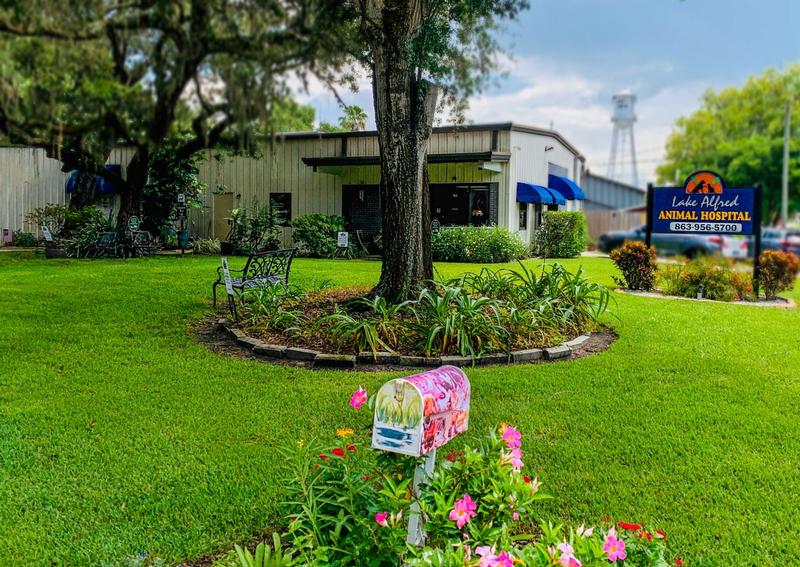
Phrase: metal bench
[142,243]
[261,269]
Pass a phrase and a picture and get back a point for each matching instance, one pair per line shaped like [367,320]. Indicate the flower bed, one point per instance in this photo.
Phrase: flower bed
[491,316]
[348,505]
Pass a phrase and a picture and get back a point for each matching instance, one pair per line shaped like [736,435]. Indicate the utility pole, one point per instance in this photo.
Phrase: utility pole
[785,181]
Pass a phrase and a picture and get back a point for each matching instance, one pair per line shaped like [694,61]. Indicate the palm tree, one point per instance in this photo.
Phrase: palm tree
[354,118]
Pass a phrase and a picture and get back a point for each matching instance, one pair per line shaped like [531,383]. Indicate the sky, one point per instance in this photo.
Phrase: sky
[568,57]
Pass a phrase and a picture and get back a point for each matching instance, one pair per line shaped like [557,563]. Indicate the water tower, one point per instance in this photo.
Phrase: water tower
[620,166]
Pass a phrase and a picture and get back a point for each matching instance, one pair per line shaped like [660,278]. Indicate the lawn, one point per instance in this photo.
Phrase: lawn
[120,435]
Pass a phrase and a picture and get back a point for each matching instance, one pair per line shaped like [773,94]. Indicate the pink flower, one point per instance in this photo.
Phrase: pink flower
[463,510]
[568,558]
[512,437]
[515,516]
[489,559]
[503,560]
[514,458]
[359,398]
[380,517]
[614,548]
[583,531]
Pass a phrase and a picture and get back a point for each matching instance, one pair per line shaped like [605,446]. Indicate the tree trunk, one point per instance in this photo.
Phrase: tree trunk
[131,197]
[83,191]
[404,112]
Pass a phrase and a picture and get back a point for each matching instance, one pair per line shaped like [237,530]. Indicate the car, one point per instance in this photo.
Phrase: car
[786,239]
[736,247]
[689,245]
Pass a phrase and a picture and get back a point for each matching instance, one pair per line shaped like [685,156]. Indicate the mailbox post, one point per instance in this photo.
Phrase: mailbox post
[417,414]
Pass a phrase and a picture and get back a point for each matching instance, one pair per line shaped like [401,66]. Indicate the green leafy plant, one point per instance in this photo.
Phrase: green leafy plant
[206,246]
[23,239]
[316,236]
[637,264]
[168,176]
[83,242]
[348,506]
[376,329]
[563,234]
[266,555]
[449,320]
[778,271]
[485,244]
[703,277]
[271,307]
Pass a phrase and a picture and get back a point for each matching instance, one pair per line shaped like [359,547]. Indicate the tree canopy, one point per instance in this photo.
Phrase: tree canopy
[738,132]
[80,77]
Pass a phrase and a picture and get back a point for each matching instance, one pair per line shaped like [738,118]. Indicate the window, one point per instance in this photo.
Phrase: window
[523,216]
[281,203]
[555,169]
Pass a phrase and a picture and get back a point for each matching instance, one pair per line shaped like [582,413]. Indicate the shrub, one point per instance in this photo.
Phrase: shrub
[63,221]
[637,264]
[563,234]
[469,316]
[348,506]
[778,271]
[254,229]
[82,243]
[316,236]
[206,246]
[23,239]
[483,245]
[702,276]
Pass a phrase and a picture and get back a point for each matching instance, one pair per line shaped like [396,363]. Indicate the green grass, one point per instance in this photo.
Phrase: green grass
[119,434]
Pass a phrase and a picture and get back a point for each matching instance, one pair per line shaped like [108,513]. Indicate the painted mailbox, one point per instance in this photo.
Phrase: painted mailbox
[419,413]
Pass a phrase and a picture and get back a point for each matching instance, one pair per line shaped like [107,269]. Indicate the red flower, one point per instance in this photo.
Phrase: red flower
[450,457]
[527,479]
[366,477]
[678,562]
[338,452]
[630,527]
[661,534]
[646,535]
[351,447]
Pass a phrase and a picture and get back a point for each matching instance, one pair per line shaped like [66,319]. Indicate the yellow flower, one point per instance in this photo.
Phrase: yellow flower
[344,432]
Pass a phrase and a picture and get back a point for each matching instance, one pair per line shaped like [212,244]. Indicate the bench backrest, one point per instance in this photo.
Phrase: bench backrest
[141,238]
[276,263]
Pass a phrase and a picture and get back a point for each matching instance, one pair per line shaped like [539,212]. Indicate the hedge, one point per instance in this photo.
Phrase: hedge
[563,234]
[477,244]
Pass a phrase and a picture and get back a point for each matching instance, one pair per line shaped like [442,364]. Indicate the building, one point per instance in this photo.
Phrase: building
[604,194]
[609,204]
[504,174]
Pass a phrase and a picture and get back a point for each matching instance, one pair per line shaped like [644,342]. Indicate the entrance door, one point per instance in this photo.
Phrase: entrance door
[223,205]
[450,204]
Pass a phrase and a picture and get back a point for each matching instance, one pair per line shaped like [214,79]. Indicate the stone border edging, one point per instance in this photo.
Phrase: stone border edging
[328,360]
[780,302]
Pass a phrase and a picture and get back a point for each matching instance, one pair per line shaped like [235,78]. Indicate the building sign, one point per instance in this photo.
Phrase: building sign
[133,223]
[703,205]
[46,233]
[417,414]
[343,239]
[226,276]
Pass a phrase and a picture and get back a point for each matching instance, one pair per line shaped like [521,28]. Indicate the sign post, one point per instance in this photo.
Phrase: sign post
[48,237]
[226,276]
[414,416]
[182,218]
[704,205]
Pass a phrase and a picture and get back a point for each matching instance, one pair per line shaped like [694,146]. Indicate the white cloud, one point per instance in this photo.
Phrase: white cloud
[579,107]
[538,92]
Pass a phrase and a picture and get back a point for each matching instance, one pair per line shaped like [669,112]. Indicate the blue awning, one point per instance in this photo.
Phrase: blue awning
[565,186]
[530,193]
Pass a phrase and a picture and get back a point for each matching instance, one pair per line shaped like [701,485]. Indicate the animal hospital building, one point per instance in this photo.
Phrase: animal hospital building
[504,174]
